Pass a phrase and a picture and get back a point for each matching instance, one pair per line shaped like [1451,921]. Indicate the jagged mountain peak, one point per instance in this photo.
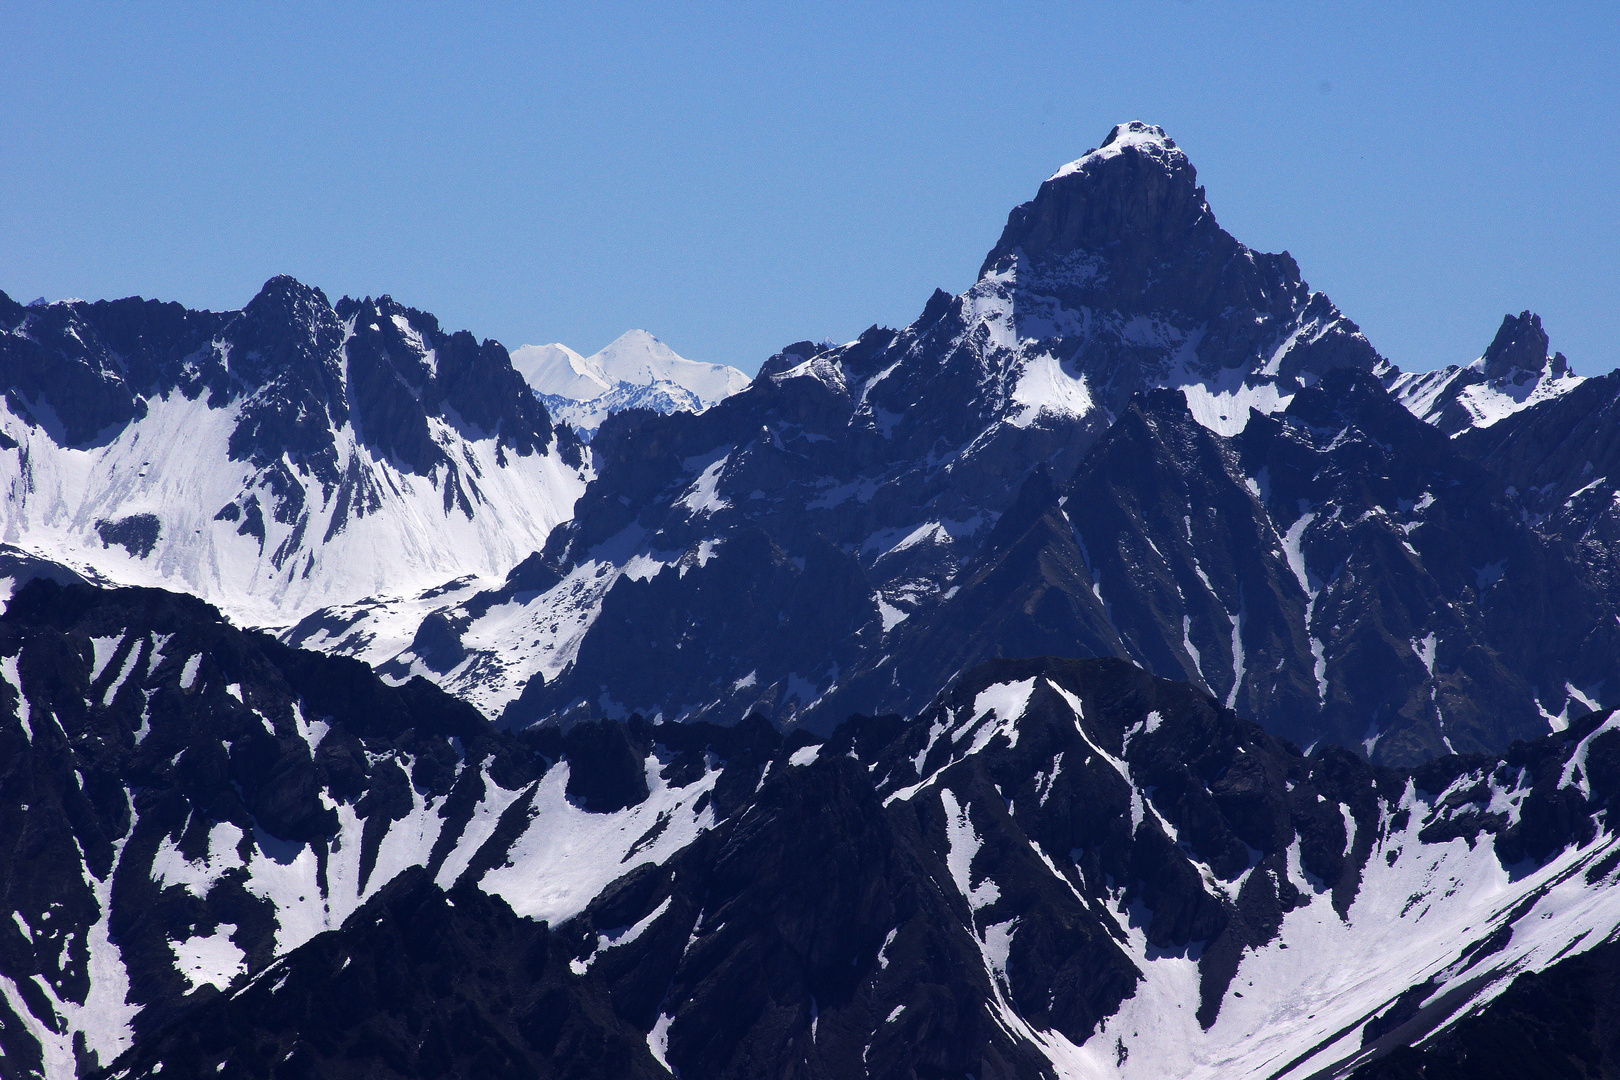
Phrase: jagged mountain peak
[1134,134]
[1138,188]
[1520,345]
[383,306]
[1515,372]
[286,306]
[285,289]
[278,457]
[1122,243]
[290,332]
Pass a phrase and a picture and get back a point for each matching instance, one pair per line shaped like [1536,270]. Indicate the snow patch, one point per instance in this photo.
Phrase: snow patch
[212,959]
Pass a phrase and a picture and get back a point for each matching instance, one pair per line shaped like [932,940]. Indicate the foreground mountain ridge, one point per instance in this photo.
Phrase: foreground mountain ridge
[242,853]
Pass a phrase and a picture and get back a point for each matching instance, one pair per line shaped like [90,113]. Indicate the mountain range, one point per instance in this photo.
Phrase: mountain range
[1132,437]
[1123,670]
[275,459]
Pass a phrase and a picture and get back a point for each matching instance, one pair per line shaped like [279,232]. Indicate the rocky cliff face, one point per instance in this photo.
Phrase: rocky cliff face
[1338,570]
[274,459]
[1125,232]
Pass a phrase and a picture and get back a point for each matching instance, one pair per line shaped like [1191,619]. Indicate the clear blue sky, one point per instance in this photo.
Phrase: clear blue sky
[736,177]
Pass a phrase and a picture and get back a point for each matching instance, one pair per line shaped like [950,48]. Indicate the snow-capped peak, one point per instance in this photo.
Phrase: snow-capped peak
[636,371]
[635,357]
[555,369]
[1138,188]
[639,358]
[1149,138]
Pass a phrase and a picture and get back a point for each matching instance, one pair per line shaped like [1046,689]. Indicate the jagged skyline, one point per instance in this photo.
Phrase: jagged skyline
[734,186]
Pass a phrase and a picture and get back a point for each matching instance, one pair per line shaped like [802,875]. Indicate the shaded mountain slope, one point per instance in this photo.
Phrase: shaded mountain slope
[1064,866]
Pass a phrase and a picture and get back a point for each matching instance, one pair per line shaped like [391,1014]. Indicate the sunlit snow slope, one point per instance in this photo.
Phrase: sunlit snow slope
[275,459]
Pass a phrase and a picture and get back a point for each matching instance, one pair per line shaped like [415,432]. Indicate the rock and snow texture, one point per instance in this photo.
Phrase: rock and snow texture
[866,521]
[1062,869]
[1132,437]
[901,448]
[636,371]
[826,539]
[276,459]
[1514,373]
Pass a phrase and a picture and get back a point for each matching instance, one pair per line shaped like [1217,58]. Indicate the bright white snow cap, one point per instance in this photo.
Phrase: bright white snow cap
[1149,137]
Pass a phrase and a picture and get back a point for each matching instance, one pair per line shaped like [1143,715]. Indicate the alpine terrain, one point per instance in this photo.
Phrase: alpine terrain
[1123,670]
[274,459]
[1133,437]
[236,857]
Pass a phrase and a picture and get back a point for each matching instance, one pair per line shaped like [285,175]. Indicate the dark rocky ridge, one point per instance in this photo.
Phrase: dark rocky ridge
[815,907]
[1559,457]
[1521,345]
[1332,539]
[417,983]
[783,937]
[472,384]
[86,367]
[1555,1024]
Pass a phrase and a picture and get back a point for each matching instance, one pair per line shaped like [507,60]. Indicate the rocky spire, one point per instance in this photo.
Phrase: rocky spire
[1521,345]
